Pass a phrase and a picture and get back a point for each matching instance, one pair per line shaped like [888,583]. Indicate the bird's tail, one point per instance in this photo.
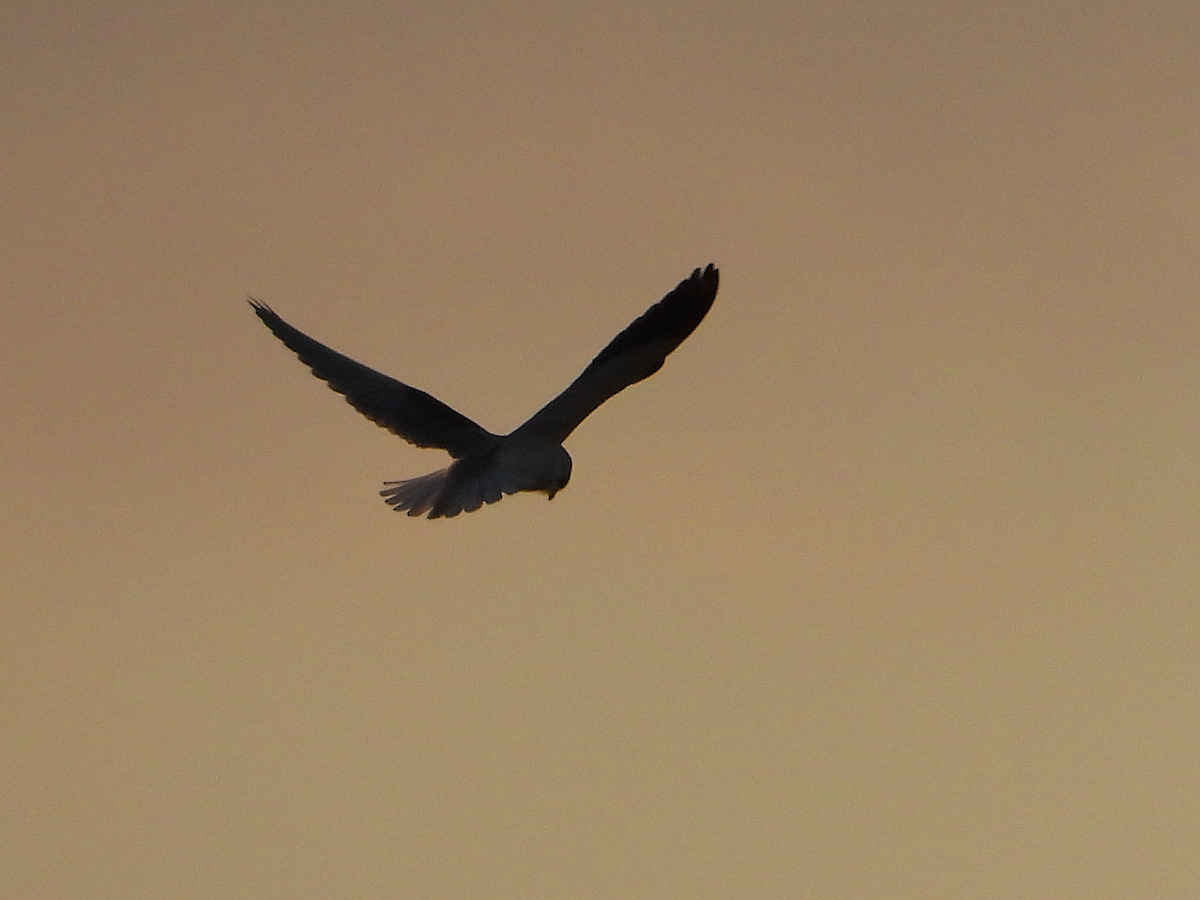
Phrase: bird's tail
[446,492]
[416,495]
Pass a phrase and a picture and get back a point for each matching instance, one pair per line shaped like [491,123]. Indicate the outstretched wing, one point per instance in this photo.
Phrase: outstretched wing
[414,415]
[636,353]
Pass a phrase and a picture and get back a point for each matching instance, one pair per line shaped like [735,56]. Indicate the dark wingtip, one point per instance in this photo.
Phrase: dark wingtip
[709,278]
[672,318]
[271,319]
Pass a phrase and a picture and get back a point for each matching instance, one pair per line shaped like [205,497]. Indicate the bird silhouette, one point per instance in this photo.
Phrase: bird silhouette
[532,458]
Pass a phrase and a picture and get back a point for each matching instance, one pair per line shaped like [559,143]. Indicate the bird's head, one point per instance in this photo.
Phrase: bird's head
[523,465]
[558,472]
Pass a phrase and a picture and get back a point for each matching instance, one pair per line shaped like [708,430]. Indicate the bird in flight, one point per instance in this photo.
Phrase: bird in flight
[487,466]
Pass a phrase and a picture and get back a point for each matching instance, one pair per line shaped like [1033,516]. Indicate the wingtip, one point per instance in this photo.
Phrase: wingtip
[709,273]
[708,278]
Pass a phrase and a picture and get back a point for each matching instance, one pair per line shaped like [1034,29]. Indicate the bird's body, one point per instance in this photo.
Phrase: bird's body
[487,466]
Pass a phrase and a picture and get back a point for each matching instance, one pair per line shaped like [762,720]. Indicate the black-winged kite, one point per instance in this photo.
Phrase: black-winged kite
[487,466]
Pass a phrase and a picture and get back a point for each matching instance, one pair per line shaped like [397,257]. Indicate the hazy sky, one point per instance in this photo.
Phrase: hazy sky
[887,586]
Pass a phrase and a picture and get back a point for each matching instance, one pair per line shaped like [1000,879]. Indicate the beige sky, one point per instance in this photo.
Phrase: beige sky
[887,586]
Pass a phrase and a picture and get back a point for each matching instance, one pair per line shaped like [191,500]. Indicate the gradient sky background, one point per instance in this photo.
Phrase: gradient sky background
[887,586]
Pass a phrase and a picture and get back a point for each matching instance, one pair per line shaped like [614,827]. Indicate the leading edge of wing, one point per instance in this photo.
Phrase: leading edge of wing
[632,356]
[418,417]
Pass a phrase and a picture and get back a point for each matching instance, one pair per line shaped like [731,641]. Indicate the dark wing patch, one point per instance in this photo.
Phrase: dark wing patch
[633,355]
[670,320]
[414,415]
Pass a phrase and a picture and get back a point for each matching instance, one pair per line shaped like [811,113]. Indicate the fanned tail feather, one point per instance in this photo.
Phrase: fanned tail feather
[444,493]
[416,495]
